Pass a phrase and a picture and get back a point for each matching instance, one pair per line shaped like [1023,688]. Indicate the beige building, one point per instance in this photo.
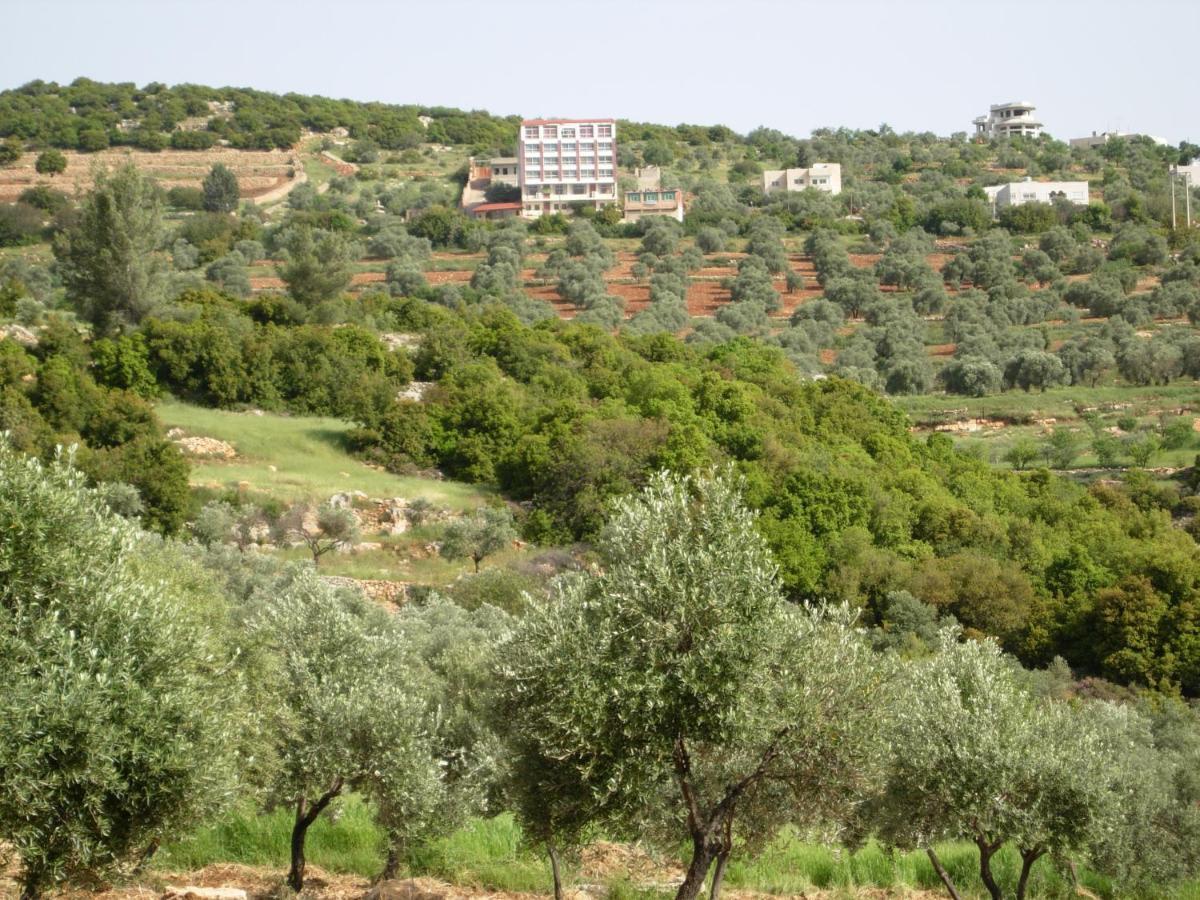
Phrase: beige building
[821,176]
[642,203]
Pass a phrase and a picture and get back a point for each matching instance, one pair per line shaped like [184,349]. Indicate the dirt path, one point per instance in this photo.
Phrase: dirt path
[278,193]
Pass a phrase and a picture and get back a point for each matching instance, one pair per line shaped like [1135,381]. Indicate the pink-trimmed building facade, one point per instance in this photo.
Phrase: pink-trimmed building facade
[563,163]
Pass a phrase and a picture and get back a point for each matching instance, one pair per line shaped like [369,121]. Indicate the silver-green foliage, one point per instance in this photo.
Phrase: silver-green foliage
[118,703]
[677,694]
[351,714]
[976,756]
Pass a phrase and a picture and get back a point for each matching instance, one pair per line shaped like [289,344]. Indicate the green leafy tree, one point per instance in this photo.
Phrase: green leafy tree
[220,188]
[737,713]
[124,363]
[1143,448]
[109,260]
[479,535]
[1023,451]
[1062,447]
[50,162]
[976,756]
[349,716]
[321,529]
[10,152]
[119,708]
[317,265]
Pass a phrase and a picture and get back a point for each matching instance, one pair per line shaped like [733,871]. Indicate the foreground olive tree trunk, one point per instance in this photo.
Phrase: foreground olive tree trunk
[305,816]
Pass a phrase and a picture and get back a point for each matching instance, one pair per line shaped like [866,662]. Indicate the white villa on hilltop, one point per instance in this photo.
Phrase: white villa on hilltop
[1009,120]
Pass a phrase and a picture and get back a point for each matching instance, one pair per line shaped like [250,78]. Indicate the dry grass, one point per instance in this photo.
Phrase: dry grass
[257,171]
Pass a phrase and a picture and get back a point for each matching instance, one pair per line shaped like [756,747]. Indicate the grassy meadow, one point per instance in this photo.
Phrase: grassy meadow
[489,855]
[292,458]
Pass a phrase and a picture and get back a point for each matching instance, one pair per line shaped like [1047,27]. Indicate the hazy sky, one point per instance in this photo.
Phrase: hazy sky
[924,65]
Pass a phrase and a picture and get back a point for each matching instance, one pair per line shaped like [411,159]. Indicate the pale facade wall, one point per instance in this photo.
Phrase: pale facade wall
[562,163]
[822,176]
[1017,193]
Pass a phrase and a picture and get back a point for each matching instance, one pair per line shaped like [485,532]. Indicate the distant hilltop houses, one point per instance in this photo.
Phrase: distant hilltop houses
[1019,119]
[563,165]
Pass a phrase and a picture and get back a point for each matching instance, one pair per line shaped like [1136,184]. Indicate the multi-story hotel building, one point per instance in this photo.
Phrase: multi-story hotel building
[566,162]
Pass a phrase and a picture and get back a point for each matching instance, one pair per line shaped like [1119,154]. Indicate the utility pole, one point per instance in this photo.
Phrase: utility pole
[1171,176]
[1187,187]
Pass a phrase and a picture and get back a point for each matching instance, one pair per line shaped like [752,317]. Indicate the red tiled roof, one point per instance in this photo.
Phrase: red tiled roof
[494,207]
[567,121]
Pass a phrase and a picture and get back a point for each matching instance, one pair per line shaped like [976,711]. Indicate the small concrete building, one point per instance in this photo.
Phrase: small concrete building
[503,170]
[1008,120]
[642,203]
[821,176]
[495,210]
[1017,193]
[1099,139]
[1190,173]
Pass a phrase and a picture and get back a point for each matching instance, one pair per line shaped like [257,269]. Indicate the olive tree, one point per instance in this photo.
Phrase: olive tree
[976,756]
[677,687]
[350,716]
[320,529]
[478,535]
[119,707]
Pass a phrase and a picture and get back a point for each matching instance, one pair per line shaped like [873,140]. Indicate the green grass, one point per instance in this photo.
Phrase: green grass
[1057,403]
[352,844]
[309,458]
[393,562]
[487,854]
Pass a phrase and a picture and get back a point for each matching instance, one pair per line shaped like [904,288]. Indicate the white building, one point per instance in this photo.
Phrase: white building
[1017,193]
[566,162]
[1099,139]
[1008,120]
[1190,173]
[822,176]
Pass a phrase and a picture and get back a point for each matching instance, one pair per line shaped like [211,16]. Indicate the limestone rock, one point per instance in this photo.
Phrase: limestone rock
[203,893]
[20,334]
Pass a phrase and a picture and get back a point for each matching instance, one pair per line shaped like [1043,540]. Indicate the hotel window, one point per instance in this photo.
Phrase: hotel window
[604,130]
[551,131]
[578,189]
[606,158]
[606,173]
[568,132]
[604,145]
[531,131]
[532,150]
[560,189]
[568,147]
[587,173]
[585,131]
